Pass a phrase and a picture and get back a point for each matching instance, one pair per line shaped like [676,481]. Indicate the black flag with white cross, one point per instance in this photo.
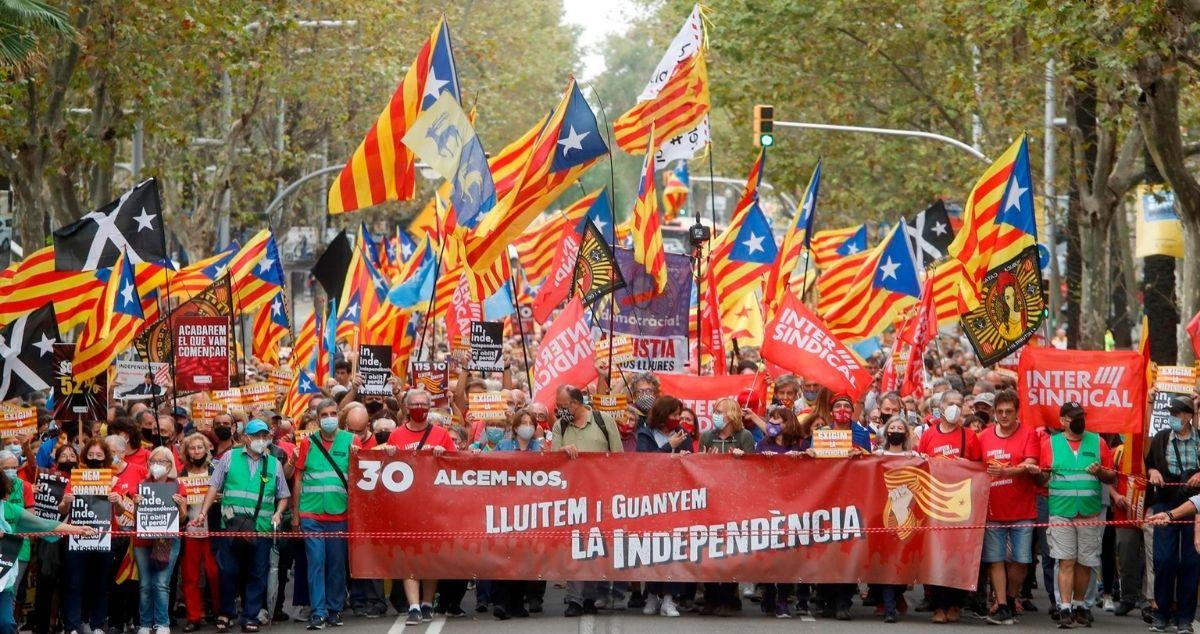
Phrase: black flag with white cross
[930,234]
[132,223]
[27,350]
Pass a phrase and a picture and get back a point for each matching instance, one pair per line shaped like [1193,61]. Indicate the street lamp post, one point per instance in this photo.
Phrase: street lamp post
[887,132]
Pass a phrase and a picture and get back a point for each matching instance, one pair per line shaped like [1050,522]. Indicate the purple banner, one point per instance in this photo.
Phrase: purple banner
[640,312]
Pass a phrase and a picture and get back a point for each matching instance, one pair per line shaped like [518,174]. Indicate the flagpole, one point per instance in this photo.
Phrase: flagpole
[803,273]
[512,283]
[437,273]
[712,208]
[612,186]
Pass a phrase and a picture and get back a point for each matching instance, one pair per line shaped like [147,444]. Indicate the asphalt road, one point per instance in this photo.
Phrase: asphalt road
[632,621]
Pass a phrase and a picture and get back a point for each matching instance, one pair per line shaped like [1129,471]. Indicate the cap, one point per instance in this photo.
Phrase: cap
[180,412]
[987,398]
[1070,410]
[255,426]
[841,396]
[1181,404]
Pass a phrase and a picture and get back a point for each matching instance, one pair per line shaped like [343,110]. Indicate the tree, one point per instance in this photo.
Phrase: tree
[23,25]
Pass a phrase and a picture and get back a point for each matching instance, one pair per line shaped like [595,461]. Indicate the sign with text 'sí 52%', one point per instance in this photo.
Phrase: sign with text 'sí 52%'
[201,353]
[662,517]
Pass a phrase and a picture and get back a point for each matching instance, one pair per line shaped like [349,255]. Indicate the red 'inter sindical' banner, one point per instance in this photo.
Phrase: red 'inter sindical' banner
[665,517]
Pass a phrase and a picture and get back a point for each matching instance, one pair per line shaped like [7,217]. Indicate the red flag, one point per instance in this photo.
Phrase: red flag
[701,393]
[1111,387]
[1193,331]
[463,311]
[711,338]
[920,330]
[914,373]
[887,382]
[799,341]
[557,284]
[566,356]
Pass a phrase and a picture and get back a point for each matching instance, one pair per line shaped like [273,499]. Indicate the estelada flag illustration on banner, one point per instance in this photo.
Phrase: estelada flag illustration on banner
[1111,387]
[799,341]
[567,354]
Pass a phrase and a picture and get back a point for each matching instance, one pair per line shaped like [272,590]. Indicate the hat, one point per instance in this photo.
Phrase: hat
[1181,404]
[179,412]
[255,426]
[1071,410]
[841,396]
[986,398]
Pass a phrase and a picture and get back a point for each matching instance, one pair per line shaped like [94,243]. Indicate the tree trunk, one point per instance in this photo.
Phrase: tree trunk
[1191,284]
[1074,266]
[1094,282]
[1158,296]
[1121,319]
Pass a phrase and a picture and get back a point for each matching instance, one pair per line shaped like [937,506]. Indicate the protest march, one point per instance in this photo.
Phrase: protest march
[524,383]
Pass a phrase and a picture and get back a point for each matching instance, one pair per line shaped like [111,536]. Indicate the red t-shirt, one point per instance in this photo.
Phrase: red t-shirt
[368,444]
[140,458]
[139,542]
[407,439]
[1012,498]
[961,443]
[1047,458]
[301,461]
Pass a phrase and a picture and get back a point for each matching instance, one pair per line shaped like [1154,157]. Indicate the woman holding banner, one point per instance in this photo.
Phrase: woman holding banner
[663,433]
[156,556]
[508,598]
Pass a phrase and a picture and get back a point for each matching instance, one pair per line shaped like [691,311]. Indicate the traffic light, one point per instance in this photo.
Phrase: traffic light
[764,125]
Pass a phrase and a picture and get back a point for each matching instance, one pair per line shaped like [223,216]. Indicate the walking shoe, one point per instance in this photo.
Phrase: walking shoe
[1083,617]
[316,623]
[1184,628]
[303,614]
[1027,605]
[1123,608]
[426,613]
[1159,625]
[939,616]
[455,612]
[1065,619]
[668,607]
[1109,605]
[535,605]
[589,606]
[843,614]
[1001,616]
[500,613]
[651,605]
[573,609]
[414,617]
[781,610]
[891,616]
[335,619]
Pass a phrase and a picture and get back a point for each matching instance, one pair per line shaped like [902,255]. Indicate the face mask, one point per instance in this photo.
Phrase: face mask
[774,429]
[11,473]
[158,470]
[117,460]
[1077,425]
[936,412]
[562,412]
[842,416]
[718,421]
[259,445]
[15,450]
[381,437]
[223,433]
[672,424]
[494,435]
[93,463]
[644,403]
[418,414]
[811,397]
[329,425]
[525,432]
[196,462]
[66,467]
[896,437]
[951,413]
[787,401]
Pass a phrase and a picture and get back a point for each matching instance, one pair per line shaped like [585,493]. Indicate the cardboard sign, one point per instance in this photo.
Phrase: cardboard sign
[94,511]
[91,482]
[247,398]
[375,369]
[1170,381]
[487,406]
[47,494]
[281,378]
[201,353]
[157,513]
[129,382]
[17,421]
[612,407]
[77,400]
[432,376]
[832,443]
[487,346]
[10,549]
[197,488]
[204,411]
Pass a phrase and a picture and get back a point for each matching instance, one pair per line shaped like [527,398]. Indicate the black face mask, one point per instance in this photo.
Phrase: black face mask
[66,467]
[1077,425]
[197,462]
[381,437]
[93,463]
[896,437]
[223,433]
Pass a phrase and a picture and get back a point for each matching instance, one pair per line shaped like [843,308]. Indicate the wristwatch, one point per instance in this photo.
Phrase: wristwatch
[1170,516]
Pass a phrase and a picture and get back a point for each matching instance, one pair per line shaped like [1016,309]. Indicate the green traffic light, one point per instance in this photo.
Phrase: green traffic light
[767,140]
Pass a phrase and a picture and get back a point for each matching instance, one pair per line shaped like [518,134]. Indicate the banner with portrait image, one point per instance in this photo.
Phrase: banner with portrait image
[657,323]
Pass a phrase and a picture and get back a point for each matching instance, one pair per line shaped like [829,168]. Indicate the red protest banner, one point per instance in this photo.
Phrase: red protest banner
[462,312]
[701,393]
[660,517]
[799,341]
[1111,387]
[558,282]
[201,353]
[566,355]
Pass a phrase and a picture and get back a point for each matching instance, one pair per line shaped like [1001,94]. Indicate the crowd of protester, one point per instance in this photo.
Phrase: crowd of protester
[267,474]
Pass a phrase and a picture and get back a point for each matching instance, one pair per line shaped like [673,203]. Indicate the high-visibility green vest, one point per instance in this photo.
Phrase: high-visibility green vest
[241,488]
[16,501]
[1074,491]
[322,491]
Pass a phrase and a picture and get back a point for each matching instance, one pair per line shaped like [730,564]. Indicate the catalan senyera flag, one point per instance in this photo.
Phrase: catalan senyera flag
[985,240]
[270,327]
[647,229]
[676,185]
[113,325]
[834,282]
[831,245]
[28,284]
[742,320]
[536,247]
[255,273]
[296,400]
[798,239]
[383,168]
[569,142]
[304,344]
[675,105]
[737,277]
[885,285]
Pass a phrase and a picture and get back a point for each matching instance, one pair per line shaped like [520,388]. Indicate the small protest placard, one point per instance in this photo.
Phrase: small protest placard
[10,549]
[487,406]
[77,400]
[17,421]
[833,443]
[375,369]
[487,346]
[197,487]
[257,395]
[96,512]
[201,352]
[204,411]
[47,494]
[1170,381]
[282,378]
[91,482]
[432,376]
[157,513]
[613,407]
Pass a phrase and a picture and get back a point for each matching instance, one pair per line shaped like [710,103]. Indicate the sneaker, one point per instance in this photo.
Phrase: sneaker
[651,605]
[668,607]
[335,619]
[782,611]
[1027,605]
[939,616]
[455,612]
[1123,608]
[1065,619]
[1159,625]
[891,616]
[414,617]
[1083,617]
[316,623]
[603,603]
[1001,616]
[589,606]
[843,614]
[303,614]
[573,609]
[500,613]
[1109,605]
[1184,628]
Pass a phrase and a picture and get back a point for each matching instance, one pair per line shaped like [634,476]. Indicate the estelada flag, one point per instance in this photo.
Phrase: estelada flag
[799,341]
[566,356]
[1111,387]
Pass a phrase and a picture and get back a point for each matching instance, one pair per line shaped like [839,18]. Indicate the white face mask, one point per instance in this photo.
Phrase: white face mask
[158,470]
[951,413]
[525,432]
[259,445]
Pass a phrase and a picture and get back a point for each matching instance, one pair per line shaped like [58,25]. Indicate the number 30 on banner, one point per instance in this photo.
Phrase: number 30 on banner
[397,476]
